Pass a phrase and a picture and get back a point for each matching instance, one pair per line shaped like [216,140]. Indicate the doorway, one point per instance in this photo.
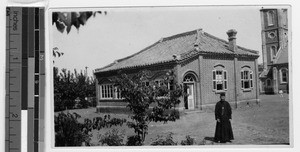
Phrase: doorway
[190,91]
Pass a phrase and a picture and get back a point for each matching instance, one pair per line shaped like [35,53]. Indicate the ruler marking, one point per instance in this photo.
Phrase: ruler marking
[13,91]
[9,86]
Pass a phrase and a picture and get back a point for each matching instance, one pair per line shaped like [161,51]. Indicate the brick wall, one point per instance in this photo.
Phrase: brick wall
[202,68]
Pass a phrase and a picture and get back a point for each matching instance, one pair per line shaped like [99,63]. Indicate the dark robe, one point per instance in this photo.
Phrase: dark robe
[223,131]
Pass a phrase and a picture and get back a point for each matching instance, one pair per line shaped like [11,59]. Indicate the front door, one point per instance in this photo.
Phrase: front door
[190,96]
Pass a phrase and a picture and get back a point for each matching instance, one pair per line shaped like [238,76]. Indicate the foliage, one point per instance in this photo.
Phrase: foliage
[134,141]
[164,140]
[112,138]
[66,20]
[69,86]
[70,132]
[56,53]
[188,141]
[140,96]
[93,102]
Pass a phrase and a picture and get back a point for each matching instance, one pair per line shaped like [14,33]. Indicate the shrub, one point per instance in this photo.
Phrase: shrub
[161,140]
[188,141]
[68,132]
[83,104]
[140,96]
[134,141]
[112,138]
[94,102]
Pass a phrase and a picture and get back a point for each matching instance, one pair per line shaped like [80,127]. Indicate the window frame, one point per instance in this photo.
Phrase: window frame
[221,79]
[106,91]
[268,84]
[270,18]
[109,93]
[273,52]
[246,76]
[281,75]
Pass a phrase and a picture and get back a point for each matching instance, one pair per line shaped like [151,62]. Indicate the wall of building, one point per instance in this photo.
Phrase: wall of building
[156,71]
[202,68]
[280,28]
[282,86]
[190,66]
[208,95]
[247,95]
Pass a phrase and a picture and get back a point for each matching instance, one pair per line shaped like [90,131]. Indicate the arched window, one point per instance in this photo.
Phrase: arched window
[284,17]
[273,52]
[219,80]
[270,17]
[268,82]
[246,79]
[189,78]
[283,73]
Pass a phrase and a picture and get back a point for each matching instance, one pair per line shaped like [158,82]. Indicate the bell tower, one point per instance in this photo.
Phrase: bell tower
[274,33]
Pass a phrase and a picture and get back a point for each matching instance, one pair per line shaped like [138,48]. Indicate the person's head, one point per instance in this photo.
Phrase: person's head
[222,96]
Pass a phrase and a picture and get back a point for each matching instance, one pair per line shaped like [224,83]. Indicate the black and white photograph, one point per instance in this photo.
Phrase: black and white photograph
[189,76]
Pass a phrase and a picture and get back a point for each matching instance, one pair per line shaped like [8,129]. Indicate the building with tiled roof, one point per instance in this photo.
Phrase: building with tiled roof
[275,51]
[204,64]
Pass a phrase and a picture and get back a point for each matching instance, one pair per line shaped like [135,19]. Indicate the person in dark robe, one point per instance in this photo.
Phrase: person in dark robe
[223,113]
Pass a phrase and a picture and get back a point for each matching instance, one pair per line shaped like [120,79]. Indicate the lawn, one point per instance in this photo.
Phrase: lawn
[255,125]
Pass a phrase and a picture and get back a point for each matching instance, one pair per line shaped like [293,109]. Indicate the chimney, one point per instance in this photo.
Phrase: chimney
[232,40]
[198,37]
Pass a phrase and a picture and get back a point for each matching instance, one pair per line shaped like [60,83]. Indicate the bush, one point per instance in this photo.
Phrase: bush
[68,131]
[83,104]
[59,105]
[94,102]
[112,138]
[188,141]
[161,140]
[134,141]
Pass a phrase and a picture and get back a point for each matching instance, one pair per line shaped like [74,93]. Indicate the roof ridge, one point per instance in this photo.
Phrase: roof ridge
[178,35]
[189,34]
[127,57]
[226,42]
[159,41]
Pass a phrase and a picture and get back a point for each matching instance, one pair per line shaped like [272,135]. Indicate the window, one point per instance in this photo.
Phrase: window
[270,17]
[188,78]
[106,91]
[273,51]
[117,93]
[109,91]
[159,82]
[284,17]
[220,80]
[169,85]
[268,82]
[145,83]
[246,79]
[283,75]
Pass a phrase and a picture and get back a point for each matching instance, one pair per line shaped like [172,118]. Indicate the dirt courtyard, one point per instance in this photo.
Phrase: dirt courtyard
[266,124]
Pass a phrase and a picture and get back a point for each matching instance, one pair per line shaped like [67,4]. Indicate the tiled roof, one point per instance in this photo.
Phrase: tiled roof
[180,45]
[264,73]
[283,56]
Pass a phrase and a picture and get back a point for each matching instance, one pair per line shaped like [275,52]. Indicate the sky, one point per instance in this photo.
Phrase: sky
[124,31]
